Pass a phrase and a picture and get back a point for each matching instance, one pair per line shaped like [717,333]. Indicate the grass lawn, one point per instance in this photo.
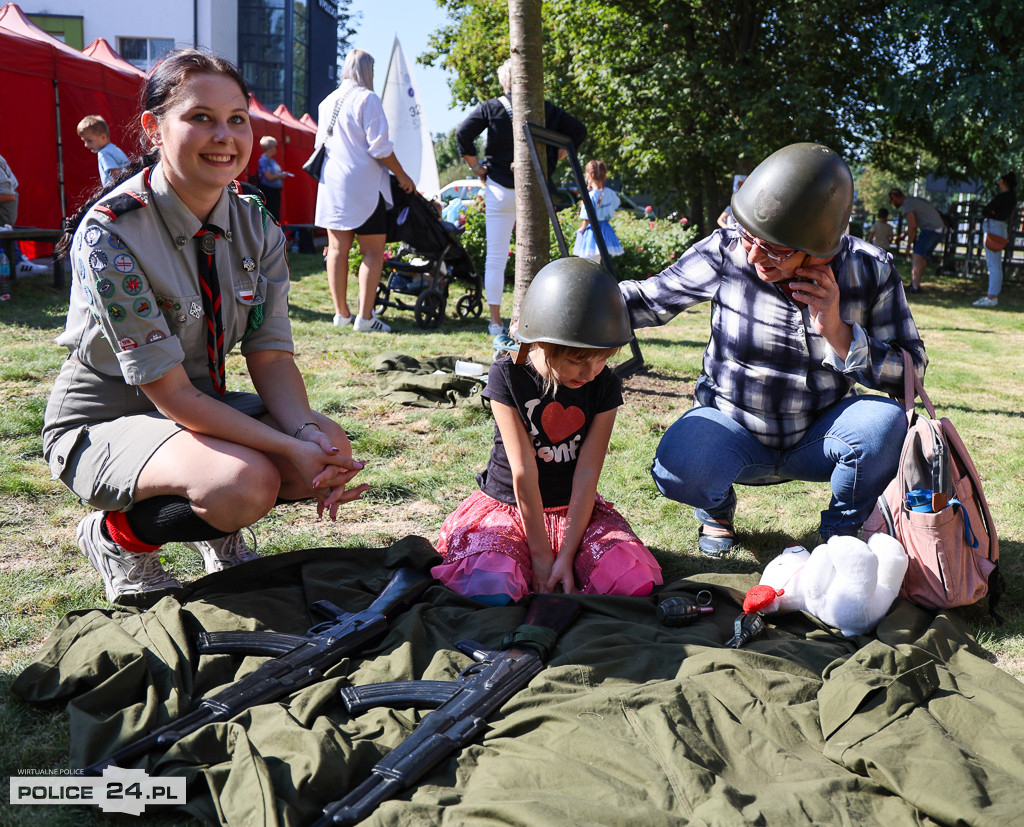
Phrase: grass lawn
[421,463]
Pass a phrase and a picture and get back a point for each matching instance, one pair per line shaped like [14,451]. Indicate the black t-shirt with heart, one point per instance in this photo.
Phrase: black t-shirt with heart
[558,425]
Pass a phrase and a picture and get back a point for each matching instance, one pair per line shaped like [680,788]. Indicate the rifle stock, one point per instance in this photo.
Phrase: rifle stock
[481,689]
[299,665]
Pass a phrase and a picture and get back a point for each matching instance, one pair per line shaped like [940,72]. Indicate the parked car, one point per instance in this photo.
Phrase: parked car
[467,189]
[464,188]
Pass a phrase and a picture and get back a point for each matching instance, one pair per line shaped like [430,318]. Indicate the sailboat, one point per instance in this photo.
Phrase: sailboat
[407,124]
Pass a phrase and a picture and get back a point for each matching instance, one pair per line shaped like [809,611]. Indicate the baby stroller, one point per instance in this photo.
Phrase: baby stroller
[429,260]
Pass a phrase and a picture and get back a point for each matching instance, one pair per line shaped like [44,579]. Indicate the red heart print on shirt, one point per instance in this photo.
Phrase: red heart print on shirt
[559,423]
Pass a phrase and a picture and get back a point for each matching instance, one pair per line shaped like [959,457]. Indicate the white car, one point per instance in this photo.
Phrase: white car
[464,188]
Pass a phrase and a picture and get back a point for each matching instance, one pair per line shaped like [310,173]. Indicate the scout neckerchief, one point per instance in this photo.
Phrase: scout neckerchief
[209,286]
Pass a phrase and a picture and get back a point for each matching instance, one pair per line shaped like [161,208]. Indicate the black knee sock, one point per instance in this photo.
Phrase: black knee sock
[169,519]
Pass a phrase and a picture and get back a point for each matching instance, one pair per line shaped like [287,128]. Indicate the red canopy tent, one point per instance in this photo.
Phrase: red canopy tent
[299,201]
[102,51]
[27,97]
[264,122]
[52,86]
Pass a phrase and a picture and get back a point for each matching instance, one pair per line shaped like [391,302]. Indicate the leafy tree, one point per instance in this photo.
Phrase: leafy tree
[679,94]
[345,30]
[450,166]
[957,92]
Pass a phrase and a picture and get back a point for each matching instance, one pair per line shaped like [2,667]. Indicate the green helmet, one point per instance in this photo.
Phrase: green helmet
[800,196]
[573,301]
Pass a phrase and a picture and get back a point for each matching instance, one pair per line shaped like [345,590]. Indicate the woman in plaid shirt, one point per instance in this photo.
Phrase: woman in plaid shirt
[800,313]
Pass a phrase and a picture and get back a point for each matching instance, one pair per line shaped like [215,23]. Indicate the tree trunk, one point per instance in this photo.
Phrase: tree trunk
[532,223]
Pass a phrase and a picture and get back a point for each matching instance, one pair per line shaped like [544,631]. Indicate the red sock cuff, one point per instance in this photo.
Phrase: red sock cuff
[120,532]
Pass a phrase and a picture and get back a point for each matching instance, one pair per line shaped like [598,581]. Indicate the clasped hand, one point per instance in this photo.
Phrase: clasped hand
[553,575]
[326,461]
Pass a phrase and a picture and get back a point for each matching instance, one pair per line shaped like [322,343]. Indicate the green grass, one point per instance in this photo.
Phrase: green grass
[421,463]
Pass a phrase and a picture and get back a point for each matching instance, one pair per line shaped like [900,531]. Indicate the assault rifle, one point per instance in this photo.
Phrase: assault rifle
[301,660]
[460,708]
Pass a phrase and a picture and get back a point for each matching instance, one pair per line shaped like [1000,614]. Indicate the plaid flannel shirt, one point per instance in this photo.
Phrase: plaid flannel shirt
[765,366]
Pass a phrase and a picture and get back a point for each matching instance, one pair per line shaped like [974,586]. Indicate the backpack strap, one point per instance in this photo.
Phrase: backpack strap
[506,103]
[913,388]
[957,445]
[886,512]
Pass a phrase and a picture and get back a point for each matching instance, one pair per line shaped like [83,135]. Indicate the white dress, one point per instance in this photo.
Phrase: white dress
[352,177]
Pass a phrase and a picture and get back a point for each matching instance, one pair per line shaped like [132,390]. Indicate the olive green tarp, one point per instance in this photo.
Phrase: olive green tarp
[428,383]
[632,722]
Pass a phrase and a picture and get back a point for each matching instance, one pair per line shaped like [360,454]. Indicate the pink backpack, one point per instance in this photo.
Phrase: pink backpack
[950,539]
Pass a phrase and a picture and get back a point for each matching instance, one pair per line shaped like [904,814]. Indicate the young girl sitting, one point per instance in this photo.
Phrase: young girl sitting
[537,523]
[606,202]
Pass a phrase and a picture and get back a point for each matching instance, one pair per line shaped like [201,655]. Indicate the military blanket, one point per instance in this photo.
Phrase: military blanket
[632,722]
[428,383]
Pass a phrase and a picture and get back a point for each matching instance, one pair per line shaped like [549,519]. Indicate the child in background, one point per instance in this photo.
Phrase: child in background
[881,232]
[537,524]
[93,131]
[271,176]
[605,202]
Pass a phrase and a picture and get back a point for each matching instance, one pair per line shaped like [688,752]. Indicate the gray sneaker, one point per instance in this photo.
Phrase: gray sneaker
[125,575]
[225,552]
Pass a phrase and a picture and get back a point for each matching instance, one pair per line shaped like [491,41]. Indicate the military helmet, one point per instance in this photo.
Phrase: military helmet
[800,196]
[574,302]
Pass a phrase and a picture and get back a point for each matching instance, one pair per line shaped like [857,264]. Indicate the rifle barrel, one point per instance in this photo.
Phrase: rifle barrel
[299,666]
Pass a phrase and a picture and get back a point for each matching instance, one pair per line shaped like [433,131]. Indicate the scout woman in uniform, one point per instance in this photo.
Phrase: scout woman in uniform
[172,269]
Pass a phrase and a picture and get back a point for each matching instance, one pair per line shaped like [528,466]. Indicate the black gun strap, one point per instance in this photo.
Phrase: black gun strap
[540,638]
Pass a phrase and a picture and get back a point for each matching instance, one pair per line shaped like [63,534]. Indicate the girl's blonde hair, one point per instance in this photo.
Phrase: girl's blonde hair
[554,354]
[596,172]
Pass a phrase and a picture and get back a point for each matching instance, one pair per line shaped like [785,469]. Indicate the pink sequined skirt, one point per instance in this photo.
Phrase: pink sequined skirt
[485,551]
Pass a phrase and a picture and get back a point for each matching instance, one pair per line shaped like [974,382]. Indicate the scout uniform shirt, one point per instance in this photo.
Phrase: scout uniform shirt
[136,310]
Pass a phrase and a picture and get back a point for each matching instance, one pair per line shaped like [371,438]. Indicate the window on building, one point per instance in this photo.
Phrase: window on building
[273,53]
[143,52]
[65,29]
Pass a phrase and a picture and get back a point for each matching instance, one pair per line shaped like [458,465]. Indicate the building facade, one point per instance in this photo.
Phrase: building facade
[286,49]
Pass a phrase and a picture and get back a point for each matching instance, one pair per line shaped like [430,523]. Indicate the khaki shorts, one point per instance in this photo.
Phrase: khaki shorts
[101,462]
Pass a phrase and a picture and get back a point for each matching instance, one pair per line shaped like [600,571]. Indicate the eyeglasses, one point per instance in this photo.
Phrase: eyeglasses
[773,253]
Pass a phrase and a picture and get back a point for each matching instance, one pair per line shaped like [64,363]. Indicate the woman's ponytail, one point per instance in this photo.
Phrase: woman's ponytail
[70,224]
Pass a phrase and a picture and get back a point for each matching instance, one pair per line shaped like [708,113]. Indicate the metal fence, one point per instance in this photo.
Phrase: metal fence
[961,251]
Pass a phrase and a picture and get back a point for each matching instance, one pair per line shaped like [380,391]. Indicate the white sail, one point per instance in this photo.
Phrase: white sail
[407,124]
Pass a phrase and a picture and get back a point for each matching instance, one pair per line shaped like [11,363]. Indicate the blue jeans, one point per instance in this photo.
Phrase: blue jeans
[855,445]
[994,259]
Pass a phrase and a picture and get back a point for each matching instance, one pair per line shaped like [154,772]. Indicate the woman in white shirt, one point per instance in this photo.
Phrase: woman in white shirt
[355,190]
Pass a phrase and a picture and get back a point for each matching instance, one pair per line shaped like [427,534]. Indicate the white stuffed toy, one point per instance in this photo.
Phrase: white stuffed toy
[846,583]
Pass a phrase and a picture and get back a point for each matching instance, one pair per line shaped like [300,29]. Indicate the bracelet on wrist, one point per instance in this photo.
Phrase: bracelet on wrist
[303,426]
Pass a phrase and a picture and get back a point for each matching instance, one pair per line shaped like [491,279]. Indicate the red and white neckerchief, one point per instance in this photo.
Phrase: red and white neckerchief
[209,288]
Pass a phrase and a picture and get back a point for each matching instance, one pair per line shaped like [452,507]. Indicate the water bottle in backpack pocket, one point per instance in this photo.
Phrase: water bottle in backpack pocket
[936,508]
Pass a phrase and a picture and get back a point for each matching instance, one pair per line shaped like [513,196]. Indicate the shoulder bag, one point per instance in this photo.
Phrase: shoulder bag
[315,163]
